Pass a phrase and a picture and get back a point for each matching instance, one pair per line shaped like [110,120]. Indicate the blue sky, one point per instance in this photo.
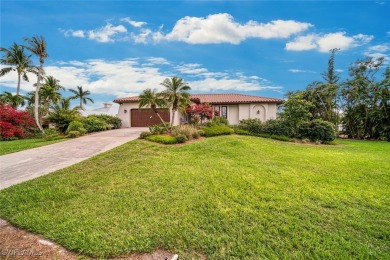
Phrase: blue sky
[266,48]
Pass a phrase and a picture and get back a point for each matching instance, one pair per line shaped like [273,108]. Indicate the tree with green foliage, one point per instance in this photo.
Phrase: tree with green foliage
[176,94]
[365,101]
[153,99]
[7,98]
[49,93]
[82,95]
[323,95]
[296,110]
[16,59]
[37,45]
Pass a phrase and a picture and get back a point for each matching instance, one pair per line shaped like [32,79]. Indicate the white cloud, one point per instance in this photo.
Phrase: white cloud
[130,77]
[326,42]
[133,23]
[191,68]
[300,71]
[213,29]
[379,48]
[72,33]
[379,51]
[222,28]
[106,33]
[302,43]
[157,60]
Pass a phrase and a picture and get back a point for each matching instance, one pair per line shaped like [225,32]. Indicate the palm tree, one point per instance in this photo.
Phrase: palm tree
[61,114]
[152,99]
[18,61]
[49,90]
[12,100]
[37,45]
[176,94]
[81,94]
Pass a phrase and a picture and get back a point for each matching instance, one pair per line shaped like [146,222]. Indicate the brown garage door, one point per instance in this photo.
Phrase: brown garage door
[147,117]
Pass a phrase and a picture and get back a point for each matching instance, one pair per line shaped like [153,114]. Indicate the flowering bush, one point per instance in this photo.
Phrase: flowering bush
[199,112]
[15,124]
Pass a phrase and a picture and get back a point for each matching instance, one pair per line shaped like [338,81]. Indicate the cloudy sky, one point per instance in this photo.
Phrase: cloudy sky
[119,48]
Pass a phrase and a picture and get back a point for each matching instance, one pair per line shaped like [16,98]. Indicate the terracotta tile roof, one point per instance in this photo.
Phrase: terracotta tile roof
[216,99]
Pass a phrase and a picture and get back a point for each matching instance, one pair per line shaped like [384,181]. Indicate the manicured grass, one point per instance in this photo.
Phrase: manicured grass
[7,147]
[223,197]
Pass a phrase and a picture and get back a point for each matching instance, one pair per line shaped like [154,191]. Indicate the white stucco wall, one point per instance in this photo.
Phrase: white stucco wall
[243,111]
[125,117]
[233,114]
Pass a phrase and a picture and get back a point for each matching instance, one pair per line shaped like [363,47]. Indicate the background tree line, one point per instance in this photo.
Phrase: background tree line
[47,97]
[358,107]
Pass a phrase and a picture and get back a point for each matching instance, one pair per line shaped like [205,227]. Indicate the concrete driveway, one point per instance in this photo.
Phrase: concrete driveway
[29,164]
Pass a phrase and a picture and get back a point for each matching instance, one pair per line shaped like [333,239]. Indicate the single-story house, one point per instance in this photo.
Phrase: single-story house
[233,107]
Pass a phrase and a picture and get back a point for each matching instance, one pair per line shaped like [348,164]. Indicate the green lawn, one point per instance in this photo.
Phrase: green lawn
[221,197]
[7,147]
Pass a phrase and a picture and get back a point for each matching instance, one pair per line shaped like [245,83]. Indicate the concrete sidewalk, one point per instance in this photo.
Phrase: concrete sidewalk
[29,164]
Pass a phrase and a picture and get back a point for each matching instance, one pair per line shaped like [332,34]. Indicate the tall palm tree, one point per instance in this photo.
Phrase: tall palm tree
[82,95]
[16,58]
[12,100]
[176,94]
[37,45]
[152,99]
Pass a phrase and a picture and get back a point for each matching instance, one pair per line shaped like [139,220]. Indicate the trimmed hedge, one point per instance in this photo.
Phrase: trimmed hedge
[217,130]
[317,130]
[76,126]
[113,122]
[163,139]
[251,125]
[94,124]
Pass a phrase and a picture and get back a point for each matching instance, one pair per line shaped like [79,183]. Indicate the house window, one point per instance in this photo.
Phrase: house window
[224,111]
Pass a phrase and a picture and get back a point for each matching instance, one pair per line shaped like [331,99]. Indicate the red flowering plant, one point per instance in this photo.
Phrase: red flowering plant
[200,112]
[15,124]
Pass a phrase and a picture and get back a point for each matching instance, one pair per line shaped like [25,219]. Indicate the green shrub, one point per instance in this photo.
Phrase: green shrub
[264,135]
[240,131]
[189,131]
[52,134]
[164,139]
[196,135]
[143,135]
[113,122]
[218,120]
[251,125]
[76,126]
[94,124]
[217,130]
[181,139]
[280,138]
[277,127]
[157,129]
[317,130]
[62,119]
[73,134]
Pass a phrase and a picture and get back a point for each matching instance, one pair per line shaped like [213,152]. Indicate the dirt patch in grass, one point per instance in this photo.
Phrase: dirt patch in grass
[19,244]
[16,243]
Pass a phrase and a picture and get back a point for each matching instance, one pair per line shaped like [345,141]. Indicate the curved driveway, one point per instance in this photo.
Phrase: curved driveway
[29,164]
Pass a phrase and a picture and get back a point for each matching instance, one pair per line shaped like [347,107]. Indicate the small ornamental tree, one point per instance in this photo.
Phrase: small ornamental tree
[15,124]
[199,112]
